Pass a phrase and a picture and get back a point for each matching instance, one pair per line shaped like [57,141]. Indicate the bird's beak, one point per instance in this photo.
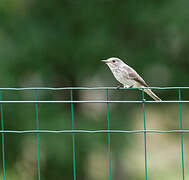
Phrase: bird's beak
[105,61]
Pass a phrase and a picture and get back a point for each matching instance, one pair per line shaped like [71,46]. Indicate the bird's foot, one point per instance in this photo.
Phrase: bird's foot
[128,87]
[120,86]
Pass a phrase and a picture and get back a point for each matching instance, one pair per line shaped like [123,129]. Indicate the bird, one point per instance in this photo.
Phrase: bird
[127,76]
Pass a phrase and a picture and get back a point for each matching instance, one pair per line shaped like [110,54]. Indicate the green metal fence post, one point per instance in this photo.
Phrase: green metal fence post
[109,150]
[145,149]
[3,136]
[182,144]
[73,134]
[37,127]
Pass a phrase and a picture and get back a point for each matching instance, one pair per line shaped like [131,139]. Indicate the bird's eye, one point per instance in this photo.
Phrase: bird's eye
[113,61]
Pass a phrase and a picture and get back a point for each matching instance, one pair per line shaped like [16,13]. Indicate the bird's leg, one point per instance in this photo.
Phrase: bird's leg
[120,86]
[131,86]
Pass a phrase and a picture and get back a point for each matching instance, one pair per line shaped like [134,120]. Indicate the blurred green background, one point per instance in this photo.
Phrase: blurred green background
[59,44]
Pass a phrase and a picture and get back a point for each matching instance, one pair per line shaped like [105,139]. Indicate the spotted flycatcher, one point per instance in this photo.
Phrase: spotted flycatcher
[128,76]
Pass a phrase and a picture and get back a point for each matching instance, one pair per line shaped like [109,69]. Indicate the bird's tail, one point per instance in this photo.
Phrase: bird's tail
[150,93]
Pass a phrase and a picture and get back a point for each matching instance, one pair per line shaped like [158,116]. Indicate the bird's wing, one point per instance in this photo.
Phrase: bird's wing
[132,74]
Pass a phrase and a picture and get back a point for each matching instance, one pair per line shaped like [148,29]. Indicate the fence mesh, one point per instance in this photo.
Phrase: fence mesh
[73,131]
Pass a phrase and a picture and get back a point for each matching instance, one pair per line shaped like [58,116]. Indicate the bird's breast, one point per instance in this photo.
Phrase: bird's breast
[119,75]
[122,77]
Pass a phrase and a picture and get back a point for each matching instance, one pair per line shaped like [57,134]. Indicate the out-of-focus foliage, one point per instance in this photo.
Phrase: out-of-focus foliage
[63,41]
[60,43]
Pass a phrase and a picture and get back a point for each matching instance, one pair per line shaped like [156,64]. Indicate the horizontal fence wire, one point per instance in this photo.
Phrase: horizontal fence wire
[93,131]
[90,88]
[89,101]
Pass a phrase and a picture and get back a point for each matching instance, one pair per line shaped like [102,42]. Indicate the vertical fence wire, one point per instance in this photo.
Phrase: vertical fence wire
[109,150]
[145,144]
[3,136]
[73,134]
[181,127]
[37,122]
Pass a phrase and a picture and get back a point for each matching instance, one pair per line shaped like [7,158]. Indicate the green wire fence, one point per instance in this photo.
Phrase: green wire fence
[38,131]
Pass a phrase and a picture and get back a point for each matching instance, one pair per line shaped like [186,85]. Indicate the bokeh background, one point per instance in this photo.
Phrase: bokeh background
[60,44]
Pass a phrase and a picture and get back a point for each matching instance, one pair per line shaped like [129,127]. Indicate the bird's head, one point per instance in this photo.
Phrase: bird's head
[114,62]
